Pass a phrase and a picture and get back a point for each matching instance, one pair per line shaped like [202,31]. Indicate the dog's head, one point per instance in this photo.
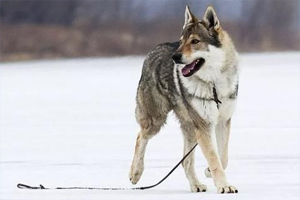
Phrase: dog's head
[200,44]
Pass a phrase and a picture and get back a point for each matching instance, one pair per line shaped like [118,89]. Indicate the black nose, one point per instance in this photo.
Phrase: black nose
[177,57]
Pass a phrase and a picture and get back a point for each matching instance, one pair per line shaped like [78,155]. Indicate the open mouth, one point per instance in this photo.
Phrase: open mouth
[192,68]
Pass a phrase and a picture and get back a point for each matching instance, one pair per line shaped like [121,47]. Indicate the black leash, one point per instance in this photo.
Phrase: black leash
[216,99]
[41,187]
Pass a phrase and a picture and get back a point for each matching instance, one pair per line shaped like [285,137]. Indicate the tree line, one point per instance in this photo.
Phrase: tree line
[66,28]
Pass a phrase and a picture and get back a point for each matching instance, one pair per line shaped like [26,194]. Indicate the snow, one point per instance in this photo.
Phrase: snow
[71,123]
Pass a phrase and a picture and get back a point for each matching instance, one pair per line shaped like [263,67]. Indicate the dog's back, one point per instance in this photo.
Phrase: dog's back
[156,94]
[158,68]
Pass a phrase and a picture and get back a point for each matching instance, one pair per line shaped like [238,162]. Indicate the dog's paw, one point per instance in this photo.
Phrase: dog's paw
[227,189]
[207,173]
[198,188]
[135,174]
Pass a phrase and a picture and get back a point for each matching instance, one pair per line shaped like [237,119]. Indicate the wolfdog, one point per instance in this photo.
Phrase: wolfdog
[197,78]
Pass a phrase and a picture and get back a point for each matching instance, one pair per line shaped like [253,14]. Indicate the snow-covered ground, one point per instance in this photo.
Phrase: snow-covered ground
[71,123]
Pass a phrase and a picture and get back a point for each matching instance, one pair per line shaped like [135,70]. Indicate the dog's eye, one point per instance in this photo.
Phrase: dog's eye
[195,41]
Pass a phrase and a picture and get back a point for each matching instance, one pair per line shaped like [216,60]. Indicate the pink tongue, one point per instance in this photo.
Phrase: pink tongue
[186,70]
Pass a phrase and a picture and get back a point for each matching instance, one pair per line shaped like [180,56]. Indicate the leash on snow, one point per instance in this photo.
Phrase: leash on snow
[41,187]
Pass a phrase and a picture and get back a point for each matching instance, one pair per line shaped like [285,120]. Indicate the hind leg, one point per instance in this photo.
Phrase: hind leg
[188,164]
[149,127]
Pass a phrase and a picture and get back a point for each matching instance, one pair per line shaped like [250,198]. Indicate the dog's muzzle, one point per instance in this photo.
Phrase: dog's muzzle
[177,58]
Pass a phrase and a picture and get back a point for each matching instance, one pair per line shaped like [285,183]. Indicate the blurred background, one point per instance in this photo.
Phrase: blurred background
[48,29]
[72,122]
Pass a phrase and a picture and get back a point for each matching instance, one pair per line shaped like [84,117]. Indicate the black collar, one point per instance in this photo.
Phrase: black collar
[215,95]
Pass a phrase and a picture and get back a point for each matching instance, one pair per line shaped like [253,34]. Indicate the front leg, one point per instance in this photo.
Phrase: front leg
[222,133]
[188,165]
[207,142]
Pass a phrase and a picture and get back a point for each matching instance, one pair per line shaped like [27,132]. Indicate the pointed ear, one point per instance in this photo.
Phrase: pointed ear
[189,17]
[211,19]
